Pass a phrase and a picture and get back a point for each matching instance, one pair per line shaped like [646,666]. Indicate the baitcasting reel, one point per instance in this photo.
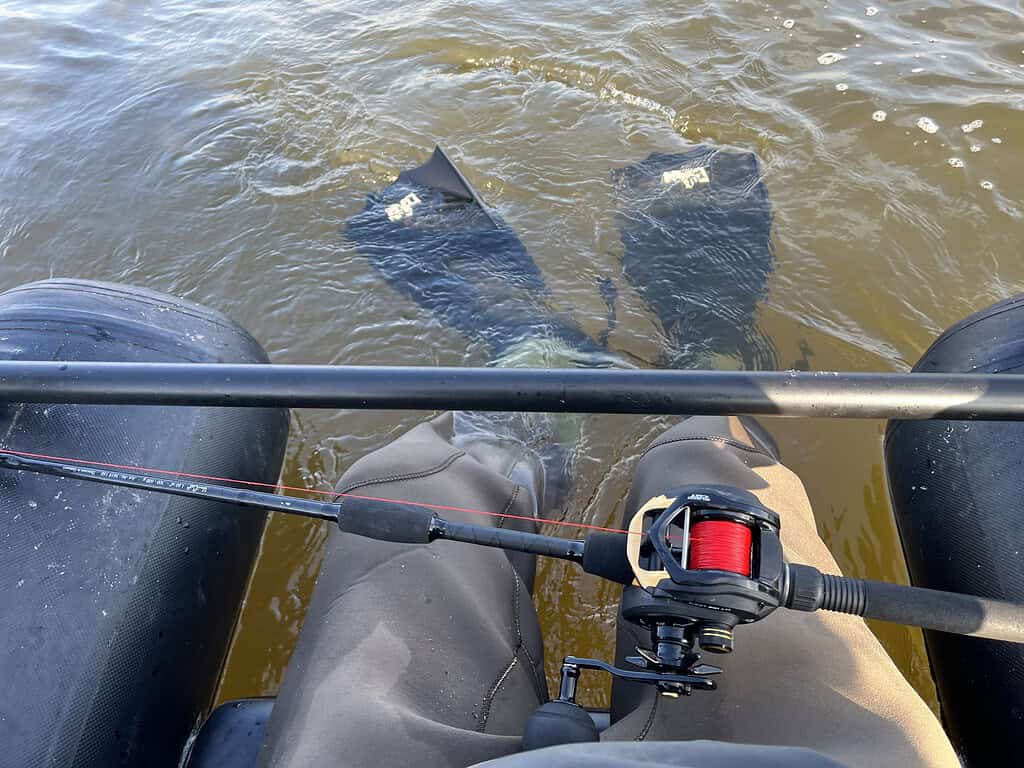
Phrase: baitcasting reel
[704,561]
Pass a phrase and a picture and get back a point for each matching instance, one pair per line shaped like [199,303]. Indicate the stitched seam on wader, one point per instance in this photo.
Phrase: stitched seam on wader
[508,476]
[488,700]
[650,720]
[395,478]
[485,706]
[538,687]
[714,439]
[508,507]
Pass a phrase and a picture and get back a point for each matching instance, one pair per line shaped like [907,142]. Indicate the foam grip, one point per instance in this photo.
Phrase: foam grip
[385,521]
[604,555]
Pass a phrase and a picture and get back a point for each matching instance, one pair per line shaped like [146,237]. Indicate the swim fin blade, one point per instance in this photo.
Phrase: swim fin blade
[430,235]
[440,173]
[696,233]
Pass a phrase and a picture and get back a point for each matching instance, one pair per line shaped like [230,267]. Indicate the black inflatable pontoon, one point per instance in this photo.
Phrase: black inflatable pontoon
[117,606]
[956,491]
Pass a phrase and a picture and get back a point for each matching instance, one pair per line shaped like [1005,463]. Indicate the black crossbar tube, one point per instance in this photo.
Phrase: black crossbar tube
[788,393]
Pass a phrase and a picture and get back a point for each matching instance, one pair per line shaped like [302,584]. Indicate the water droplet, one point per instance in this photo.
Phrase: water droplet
[986,185]
[927,125]
[842,87]
[972,126]
[956,162]
[788,24]
[830,58]
[879,116]
[871,11]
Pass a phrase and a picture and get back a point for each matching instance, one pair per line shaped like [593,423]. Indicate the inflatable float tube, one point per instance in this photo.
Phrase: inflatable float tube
[117,607]
[956,490]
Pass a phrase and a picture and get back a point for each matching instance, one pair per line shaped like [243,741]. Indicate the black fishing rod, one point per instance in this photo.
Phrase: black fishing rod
[584,390]
[380,519]
[681,604]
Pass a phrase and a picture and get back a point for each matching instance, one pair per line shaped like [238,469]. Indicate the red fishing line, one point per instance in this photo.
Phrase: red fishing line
[720,545]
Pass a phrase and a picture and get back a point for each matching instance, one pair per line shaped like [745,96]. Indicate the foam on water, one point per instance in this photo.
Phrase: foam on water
[831,57]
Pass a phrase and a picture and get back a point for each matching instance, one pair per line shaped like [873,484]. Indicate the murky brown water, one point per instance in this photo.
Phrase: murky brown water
[213,150]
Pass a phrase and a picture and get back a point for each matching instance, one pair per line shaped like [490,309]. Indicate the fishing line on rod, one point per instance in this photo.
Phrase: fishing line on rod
[316,491]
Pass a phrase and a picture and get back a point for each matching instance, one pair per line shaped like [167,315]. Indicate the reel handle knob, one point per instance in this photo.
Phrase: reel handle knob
[558,722]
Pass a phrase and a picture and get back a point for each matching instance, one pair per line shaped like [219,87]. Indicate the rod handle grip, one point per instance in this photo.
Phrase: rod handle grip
[386,521]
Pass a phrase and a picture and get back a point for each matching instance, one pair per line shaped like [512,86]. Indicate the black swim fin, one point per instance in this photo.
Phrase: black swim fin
[434,240]
[696,231]
[440,173]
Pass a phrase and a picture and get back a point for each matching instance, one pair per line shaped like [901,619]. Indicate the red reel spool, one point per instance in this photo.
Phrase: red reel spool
[720,545]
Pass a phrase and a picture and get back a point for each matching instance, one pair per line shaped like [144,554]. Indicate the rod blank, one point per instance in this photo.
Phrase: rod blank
[681,392]
[192,489]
